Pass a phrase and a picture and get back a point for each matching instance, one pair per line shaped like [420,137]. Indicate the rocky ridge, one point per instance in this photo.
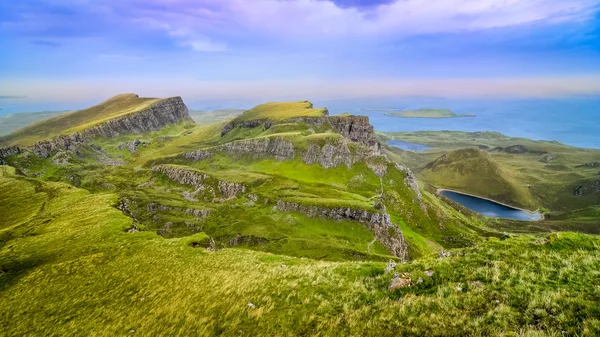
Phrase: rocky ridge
[386,232]
[202,182]
[160,114]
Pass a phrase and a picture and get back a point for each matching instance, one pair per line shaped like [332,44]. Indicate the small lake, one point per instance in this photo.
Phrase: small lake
[490,208]
[408,146]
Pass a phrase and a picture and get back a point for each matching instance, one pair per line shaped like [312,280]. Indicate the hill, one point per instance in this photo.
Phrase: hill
[116,108]
[277,222]
[560,178]
[475,171]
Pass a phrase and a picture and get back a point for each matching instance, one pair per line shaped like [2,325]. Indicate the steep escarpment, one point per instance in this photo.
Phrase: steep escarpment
[379,223]
[276,147]
[206,186]
[125,114]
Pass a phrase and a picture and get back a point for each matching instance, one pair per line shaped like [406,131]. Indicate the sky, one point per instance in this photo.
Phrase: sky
[271,49]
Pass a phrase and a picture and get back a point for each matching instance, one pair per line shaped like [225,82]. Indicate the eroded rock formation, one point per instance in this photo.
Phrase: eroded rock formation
[379,223]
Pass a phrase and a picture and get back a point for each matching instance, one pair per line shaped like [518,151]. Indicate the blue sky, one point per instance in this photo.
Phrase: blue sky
[231,48]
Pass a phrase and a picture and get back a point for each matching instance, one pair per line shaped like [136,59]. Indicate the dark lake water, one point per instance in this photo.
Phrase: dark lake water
[490,208]
[408,146]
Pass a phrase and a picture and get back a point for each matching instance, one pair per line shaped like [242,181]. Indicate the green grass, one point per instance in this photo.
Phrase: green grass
[72,270]
[550,184]
[282,111]
[71,122]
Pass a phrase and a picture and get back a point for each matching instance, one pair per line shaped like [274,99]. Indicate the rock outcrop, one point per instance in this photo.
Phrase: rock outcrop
[379,223]
[276,147]
[202,182]
[155,117]
[6,152]
[328,155]
[197,155]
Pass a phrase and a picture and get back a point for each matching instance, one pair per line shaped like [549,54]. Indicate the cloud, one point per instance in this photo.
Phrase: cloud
[322,19]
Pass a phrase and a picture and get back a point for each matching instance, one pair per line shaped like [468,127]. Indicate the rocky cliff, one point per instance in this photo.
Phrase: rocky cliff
[379,223]
[6,152]
[275,147]
[155,117]
[205,185]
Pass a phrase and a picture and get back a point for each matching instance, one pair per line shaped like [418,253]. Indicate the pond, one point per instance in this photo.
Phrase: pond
[408,146]
[490,208]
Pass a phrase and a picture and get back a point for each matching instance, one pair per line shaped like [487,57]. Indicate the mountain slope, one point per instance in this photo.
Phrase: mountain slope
[94,120]
[475,171]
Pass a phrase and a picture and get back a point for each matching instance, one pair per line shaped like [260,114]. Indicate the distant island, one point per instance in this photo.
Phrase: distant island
[427,113]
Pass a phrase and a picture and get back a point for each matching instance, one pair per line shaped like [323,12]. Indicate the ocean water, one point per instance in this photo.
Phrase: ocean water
[408,146]
[490,208]
[574,121]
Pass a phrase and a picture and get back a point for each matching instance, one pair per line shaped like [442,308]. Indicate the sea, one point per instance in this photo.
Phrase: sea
[574,120]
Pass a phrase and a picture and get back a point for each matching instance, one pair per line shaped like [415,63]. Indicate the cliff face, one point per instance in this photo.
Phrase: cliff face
[380,224]
[5,152]
[206,186]
[162,113]
[165,112]
[355,128]
[276,147]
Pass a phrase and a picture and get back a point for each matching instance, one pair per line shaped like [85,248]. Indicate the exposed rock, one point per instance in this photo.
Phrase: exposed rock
[131,146]
[410,180]
[444,254]
[200,181]
[586,165]
[249,240]
[390,267]
[328,156]
[133,229]
[588,188]
[61,158]
[380,224]
[541,241]
[247,124]
[197,155]
[547,158]
[358,129]
[276,147]
[6,152]
[230,190]
[164,112]
[420,280]
[429,273]
[400,281]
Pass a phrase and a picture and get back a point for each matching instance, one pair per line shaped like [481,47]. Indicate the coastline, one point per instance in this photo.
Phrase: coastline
[537,211]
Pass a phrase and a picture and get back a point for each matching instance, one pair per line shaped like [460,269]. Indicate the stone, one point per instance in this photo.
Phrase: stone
[400,281]
[429,273]
[197,155]
[390,267]
[251,305]
[420,280]
[386,232]
[444,254]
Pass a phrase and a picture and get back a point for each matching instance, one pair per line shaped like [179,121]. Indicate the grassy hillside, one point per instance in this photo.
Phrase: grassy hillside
[182,234]
[551,171]
[283,110]
[70,269]
[117,106]
[475,171]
